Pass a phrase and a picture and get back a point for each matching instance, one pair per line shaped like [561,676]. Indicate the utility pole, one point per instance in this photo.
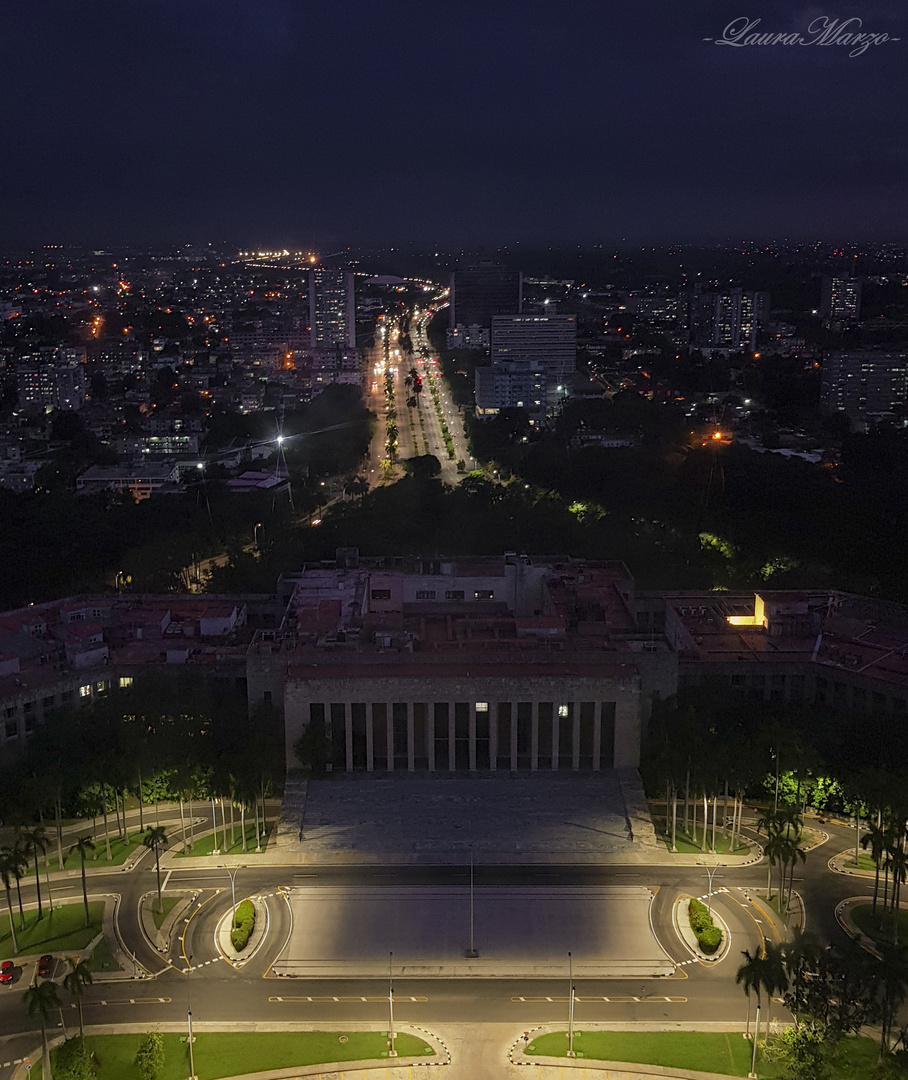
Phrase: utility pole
[191,1039]
[471,952]
[570,1052]
[391,1051]
[752,1075]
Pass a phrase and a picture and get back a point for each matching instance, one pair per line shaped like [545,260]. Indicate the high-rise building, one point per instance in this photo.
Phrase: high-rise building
[728,320]
[332,309]
[58,385]
[864,384]
[511,386]
[840,303]
[544,342]
[479,293]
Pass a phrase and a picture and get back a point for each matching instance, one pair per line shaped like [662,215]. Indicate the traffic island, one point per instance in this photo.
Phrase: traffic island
[681,917]
[251,1055]
[648,1053]
[158,924]
[239,957]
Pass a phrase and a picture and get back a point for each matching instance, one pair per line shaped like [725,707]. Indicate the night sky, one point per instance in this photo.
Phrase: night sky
[294,123]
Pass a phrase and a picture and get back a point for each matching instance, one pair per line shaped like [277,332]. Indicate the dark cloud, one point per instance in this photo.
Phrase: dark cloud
[463,121]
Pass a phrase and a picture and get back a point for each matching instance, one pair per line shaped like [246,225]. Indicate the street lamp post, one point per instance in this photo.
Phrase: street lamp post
[391,1051]
[570,1052]
[232,874]
[753,1061]
[471,952]
[191,1038]
[711,873]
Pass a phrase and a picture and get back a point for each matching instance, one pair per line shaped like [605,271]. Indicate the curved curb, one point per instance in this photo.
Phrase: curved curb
[612,1070]
[442,1056]
[843,918]
[851,871]
[707,959]
[225,947]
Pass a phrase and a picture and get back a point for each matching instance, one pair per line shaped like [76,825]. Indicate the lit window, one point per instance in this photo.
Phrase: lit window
[482,706]
[84,691]
[381,594]
[484,594]
[563,710]
[125,681]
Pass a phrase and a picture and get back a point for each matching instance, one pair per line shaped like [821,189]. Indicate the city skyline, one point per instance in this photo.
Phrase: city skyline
[282,124]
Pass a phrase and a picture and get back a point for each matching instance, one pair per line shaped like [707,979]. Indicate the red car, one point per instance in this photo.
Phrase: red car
[45,967]
[6,973]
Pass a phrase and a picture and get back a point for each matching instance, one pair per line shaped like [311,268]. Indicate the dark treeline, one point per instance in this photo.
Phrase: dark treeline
[164,738]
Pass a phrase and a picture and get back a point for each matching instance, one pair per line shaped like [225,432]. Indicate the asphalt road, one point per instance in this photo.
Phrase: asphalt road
[219,993]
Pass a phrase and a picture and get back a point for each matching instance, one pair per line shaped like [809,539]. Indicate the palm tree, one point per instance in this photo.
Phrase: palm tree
[43,998]
[898,864]
[37,843]
[75,981]
[19,859]
[773,975]
[154,839]
[83,845]
[799,954]
[9,869]
[893,980]
[877,839]
[774,849]
[750,976]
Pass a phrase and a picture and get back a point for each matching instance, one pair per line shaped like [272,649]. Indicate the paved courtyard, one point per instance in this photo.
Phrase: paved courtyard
[438,817]
[518,931]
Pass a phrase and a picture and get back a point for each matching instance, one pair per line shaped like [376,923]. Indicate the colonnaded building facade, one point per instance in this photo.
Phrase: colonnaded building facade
[510,663]
[481,664]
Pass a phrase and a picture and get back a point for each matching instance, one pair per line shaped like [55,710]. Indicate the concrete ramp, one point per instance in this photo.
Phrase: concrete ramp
[523,931]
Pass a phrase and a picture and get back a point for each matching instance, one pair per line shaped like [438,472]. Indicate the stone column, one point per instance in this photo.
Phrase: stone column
[627,726]
[556,731]
[493,735]
[473,736]
[534,736]
[370,737]
[348,729]
[597,735]
[451,758]
[430,735]
[513,736]
[575,764]
[411,746]
[389,733]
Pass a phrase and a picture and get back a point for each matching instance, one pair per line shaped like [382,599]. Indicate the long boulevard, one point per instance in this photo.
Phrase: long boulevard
[697,994]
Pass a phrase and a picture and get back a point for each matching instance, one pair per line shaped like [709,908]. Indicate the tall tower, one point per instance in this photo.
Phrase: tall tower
[332,312]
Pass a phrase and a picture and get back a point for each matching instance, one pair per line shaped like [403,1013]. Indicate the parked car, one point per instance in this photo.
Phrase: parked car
[45,966]
[6,972]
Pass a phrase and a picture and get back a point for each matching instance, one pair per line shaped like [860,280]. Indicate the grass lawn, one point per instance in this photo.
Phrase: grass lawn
[686,846]
[205,845]
[63,928]
[120,851]
[169,903]
[102,958]
[879,926]
[233,1054]
[864,862]
[703,1052]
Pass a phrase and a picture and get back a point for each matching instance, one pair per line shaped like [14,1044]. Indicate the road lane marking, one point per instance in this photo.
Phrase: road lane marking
[327,999]
[617,999]
[134,1001]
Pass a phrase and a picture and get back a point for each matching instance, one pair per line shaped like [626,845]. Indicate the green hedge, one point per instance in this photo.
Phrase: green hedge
[709,936]
[244,923]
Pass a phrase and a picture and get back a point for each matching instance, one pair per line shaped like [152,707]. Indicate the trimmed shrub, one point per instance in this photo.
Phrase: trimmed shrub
[709,936]
[244,924]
